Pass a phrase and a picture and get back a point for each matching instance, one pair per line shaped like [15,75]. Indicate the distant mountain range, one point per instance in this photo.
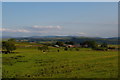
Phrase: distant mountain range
[60,37]
[76,39]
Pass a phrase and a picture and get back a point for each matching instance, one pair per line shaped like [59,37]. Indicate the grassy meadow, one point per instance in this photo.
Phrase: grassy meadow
[85,63]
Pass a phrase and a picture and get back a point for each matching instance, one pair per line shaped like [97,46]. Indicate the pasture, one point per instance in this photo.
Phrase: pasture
[85,63]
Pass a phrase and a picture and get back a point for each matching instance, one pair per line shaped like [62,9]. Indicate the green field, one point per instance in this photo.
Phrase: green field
[85,63]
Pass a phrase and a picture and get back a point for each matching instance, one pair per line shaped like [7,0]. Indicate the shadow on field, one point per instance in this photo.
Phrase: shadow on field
[6,52]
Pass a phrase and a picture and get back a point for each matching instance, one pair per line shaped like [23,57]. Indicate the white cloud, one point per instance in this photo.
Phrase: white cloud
[81,33]
[39,31]
[4,29]
[22,30]
[16,30]
[46,27]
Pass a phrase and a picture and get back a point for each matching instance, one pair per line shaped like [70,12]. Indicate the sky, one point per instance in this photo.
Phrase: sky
[60,0]
[0,19]
[90,19]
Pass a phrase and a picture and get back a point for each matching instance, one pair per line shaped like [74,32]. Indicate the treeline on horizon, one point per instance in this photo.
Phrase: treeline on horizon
[9,45]
[74,39]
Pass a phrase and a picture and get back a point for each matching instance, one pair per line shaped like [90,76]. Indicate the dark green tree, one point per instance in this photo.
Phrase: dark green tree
[70,42]
[8,46]
[105,45]
[12,40]
[90,44]
[60,43]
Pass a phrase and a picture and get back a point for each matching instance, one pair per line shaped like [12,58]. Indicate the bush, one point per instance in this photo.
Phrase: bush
[43,48]
[77,49]
[65,48]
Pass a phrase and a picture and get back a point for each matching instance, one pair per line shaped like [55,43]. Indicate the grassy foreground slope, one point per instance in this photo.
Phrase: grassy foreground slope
[31,63]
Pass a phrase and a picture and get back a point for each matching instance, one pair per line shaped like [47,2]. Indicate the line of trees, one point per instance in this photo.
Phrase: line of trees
[94,45]
[9,46]
[86,44]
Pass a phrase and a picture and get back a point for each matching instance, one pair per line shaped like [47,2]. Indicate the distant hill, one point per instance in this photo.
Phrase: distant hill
[76,39]
[114,38]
